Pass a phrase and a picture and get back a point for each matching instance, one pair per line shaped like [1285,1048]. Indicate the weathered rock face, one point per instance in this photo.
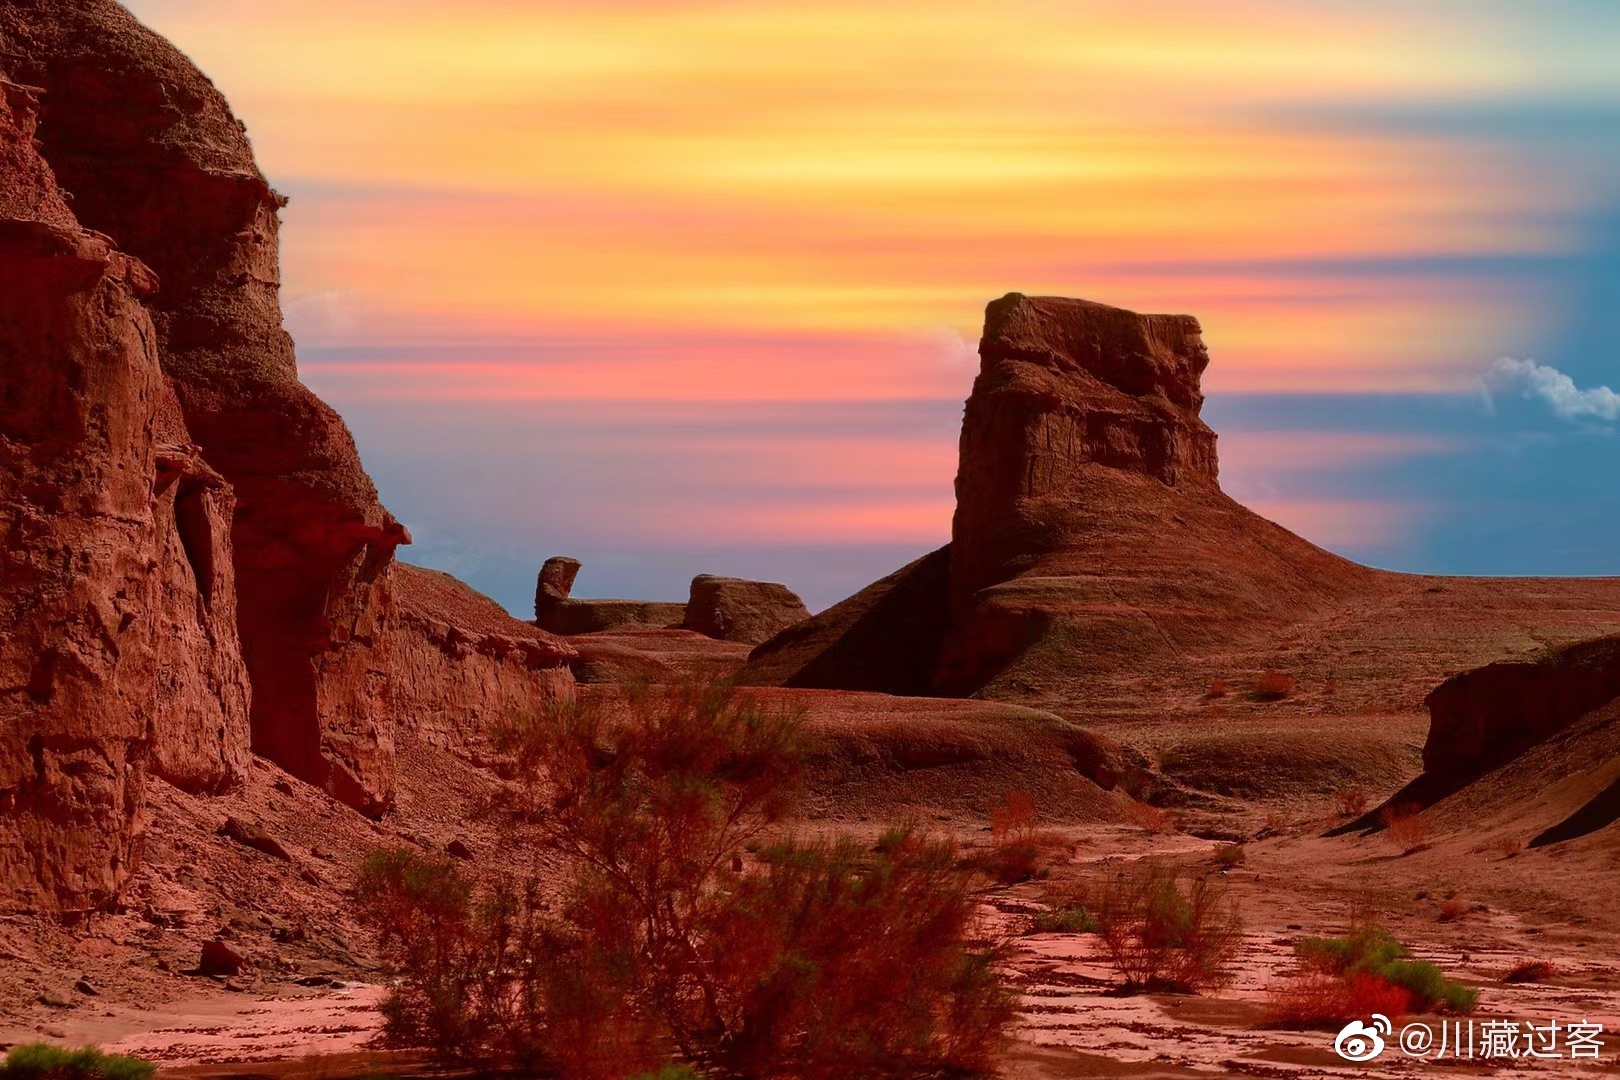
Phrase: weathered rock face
[108,638]
[1089,523]
[732,609]
[1527,749]
[195,564]
[158,163]
[458,663]
[200,732]
[1065,387]
[1484,717]
[555,583]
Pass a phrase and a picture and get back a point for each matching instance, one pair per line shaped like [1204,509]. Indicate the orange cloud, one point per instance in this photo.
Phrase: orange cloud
[883,170]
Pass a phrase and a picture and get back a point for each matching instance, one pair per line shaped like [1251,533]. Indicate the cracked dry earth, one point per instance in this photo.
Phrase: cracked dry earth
[1542,905]
[1077,1025]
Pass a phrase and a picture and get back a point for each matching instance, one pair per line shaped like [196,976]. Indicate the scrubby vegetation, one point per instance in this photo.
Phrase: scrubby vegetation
[1230,856]
[1069,919]
[1164,933]
[1019,851]
[660,940]
[1272,686]
[1405,827]
[42,1061]
[1068,910]
[1317,1000]
[1352,800]
[1532,971]
[1366,971]
[1149,818]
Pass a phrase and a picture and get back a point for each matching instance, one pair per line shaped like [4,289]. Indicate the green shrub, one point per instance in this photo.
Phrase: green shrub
[1163,934]
[1371,949]
[1070,919]
[42,1061]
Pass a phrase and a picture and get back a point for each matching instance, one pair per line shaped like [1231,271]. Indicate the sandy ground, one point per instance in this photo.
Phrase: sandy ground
[1548,905]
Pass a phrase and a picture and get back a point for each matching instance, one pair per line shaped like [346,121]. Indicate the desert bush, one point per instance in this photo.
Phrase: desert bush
[1228,856]
[491,978]
[1405,827]
[831,962]
[1453,908]
[1014,819]
[1068,910]
[1273,686]
[1369,949]
[1316,999]
[1532,971]
[42,1061]
[1218,688]
[1352,800]
[1018,851]
[1165,934]
[1150,818]
[661,942]
[1068,919]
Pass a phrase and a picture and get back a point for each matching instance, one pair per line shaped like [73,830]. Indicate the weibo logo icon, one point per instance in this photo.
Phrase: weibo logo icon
[1363,1042]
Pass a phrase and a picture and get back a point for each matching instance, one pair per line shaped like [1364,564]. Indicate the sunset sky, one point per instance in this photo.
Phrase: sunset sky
[682,287]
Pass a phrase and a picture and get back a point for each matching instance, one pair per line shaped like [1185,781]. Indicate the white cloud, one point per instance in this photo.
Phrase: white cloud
[1557,390]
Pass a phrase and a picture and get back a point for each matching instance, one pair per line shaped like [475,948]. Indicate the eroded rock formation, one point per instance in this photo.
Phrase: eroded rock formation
[1484,717]
[1097,571]
[559,613]
[113,632]
[721,608]
[1066,386]
[157,162]
[195,563]
[458,663]
[733,609]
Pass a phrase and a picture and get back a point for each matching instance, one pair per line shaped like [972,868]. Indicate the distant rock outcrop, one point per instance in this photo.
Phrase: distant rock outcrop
[1088,510]
[721,608]
[733,609]
[1096,570]
[556,611]
[1091,540]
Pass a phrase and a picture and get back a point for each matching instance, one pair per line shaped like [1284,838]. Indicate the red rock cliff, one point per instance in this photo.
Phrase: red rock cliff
[116,628]
[157,162]
[1065,385]
[195,565]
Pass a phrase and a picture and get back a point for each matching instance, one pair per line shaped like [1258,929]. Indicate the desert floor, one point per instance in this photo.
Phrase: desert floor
[1550,904]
